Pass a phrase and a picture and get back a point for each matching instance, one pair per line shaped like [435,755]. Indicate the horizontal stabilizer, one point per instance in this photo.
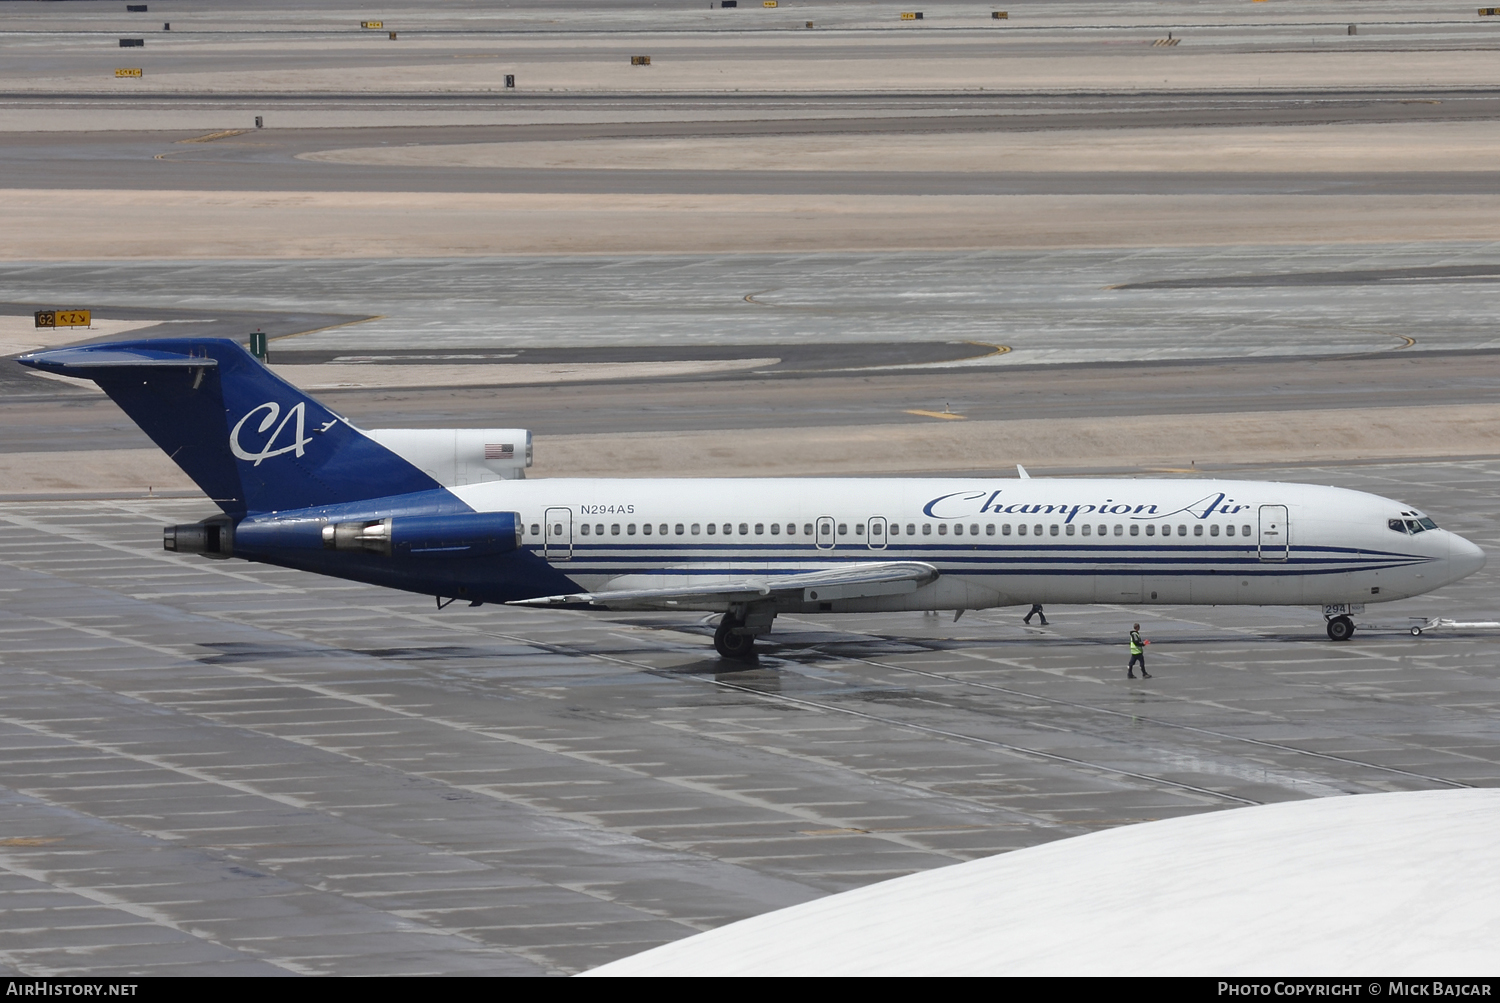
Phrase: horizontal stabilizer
[77,361]
[852,581]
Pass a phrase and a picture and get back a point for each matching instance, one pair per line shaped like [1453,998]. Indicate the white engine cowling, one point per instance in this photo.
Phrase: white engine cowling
[457,456]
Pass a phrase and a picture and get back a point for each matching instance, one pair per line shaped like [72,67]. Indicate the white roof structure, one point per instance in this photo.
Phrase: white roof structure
[1373,884]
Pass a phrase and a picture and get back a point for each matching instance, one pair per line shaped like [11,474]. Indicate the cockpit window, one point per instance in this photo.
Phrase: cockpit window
[1396,524]
[1427,523]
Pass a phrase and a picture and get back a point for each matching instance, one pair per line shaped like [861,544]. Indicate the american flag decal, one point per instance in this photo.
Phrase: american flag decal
[499,451]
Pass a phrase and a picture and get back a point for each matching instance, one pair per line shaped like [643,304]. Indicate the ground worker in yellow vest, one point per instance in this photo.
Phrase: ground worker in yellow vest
[1137,654]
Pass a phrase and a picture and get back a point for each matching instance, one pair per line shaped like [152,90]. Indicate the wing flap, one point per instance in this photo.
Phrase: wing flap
[850,581]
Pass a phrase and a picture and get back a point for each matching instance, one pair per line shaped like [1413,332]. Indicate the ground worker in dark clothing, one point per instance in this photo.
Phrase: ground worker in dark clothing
[1036,610]
[1137,654]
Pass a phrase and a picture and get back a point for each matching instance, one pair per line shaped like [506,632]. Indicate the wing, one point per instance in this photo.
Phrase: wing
[849,581]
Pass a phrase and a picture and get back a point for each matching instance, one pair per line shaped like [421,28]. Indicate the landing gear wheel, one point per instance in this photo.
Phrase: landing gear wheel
[1416,632]
[1340,628]
[731,645]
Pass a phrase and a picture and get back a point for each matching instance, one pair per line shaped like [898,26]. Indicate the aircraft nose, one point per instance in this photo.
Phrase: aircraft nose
[1463,557]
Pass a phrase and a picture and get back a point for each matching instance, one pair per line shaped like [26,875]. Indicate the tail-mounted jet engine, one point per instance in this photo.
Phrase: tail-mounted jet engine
[469,534]
[211,538]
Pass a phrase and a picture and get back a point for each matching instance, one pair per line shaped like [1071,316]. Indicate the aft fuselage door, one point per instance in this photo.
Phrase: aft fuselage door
[824,536]
[876,535]
[558,538]
[1275,535]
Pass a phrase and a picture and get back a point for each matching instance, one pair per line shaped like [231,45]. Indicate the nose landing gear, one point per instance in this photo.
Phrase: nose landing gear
[1340,628]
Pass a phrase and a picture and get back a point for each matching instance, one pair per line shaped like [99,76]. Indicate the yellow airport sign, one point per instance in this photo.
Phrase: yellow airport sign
[1000,15]
[640,60]
[1489,12]
[128,72]
[62,318]
[372,24]
[768,3]
[907,16]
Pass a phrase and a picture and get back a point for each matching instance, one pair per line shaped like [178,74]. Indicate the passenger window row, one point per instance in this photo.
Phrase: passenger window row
[1021,529]
[696,529]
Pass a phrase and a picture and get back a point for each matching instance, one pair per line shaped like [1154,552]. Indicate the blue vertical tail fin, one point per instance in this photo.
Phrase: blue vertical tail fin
[248,438]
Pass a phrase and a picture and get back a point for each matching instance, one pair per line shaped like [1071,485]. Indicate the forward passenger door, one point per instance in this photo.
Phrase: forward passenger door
[1275,537]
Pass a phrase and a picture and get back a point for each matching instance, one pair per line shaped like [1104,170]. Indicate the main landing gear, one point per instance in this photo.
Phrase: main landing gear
[1340,628]
[735,636]
[730,640]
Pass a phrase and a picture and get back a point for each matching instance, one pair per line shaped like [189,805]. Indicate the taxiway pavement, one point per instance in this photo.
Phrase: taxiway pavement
[221,768]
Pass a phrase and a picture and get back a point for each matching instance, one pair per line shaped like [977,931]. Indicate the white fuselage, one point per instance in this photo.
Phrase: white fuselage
[995,542]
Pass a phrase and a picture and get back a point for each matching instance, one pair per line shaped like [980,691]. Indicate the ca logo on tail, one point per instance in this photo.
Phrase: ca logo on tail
[269,448]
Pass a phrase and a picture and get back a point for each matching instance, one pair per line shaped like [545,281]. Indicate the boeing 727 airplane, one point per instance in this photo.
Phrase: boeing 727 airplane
[449,513]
